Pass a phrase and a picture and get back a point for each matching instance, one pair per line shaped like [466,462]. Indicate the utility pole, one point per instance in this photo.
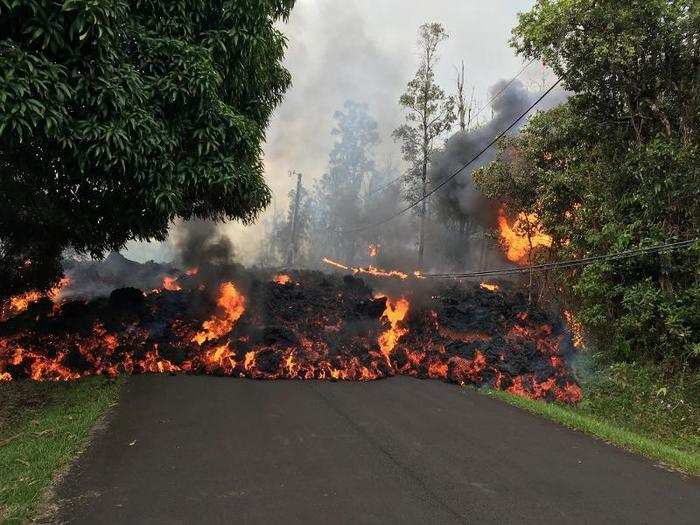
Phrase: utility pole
[295,220]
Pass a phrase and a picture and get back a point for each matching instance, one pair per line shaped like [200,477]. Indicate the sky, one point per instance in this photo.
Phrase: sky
[364,50]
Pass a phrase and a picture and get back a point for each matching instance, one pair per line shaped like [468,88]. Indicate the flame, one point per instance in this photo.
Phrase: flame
[491,287]
[56,293]
[282,279]
[517,244]
[232,302]
[170,283]
[395,312]
[19,303]
[373,250]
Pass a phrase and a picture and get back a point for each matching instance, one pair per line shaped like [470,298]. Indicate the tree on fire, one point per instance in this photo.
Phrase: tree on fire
[118,117]
[616,167]
[429,114]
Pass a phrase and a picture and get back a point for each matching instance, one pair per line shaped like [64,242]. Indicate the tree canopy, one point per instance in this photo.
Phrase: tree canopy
[118,116]
[616,167]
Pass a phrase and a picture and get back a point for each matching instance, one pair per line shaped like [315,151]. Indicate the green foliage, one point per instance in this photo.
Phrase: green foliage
[429,112]
[646,399]
[118,116]
[637,406]
[616,167]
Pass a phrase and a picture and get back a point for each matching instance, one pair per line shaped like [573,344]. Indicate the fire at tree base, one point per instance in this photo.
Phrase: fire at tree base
[302,325]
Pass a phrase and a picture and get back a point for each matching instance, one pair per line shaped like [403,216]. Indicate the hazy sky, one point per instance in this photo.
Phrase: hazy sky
[365,50]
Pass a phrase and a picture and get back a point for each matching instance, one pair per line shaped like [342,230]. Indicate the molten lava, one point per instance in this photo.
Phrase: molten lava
[522,236]
[394,313]
[170,283]
[282,279]
[232,304]
[323,327]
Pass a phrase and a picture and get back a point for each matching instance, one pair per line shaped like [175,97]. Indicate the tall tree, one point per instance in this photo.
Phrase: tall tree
[338,192]
[118,117]
[429,114]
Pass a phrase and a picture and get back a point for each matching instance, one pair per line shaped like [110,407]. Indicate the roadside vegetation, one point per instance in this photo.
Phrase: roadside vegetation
[43,426]
[639,407]
[615,168]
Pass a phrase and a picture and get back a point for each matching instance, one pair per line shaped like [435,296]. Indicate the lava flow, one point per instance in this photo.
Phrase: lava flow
[306,325]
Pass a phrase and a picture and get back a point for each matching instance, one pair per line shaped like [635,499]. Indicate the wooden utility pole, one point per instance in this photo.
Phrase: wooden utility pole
[292,254]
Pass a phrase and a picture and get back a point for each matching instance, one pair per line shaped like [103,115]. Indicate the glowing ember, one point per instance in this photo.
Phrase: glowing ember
[19,303]
[515,238]
[373,250]
[170,283]
[282,279]
[490,287]
[56,293]
[232,303]
[192,271]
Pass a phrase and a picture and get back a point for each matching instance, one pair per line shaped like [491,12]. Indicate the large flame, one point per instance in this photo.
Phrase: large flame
[394,313]
[517,244]
[232,304]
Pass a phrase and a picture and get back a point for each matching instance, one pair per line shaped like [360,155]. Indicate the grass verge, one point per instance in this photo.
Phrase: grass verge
[42,428]
[636,407]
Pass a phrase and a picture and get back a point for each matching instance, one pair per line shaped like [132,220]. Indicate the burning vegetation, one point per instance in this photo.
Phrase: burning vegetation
[307,325]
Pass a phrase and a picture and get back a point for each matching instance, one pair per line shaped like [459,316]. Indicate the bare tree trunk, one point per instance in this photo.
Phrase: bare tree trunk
[423,210]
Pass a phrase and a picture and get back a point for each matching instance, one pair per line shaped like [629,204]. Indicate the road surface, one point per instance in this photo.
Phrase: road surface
[220,450]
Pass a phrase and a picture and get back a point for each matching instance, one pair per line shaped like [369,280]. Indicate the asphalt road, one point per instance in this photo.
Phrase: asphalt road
[219,450]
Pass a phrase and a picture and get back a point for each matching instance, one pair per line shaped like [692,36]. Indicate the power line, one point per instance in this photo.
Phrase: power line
[572,263]
[500,91]
[494,97]
[460,170]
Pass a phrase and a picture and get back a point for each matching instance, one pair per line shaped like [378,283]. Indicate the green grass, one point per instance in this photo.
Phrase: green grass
[42,428]
[637,407]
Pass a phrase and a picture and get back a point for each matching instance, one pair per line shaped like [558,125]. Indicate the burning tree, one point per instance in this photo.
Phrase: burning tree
[118,117]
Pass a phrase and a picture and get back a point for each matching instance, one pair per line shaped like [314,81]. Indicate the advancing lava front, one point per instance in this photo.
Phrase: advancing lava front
[307,325]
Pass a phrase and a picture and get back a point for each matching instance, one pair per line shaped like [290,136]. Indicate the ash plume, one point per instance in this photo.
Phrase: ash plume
[200,246]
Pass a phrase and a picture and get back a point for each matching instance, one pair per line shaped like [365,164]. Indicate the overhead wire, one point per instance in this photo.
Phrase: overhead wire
[572,263]
[479,111]
[457,172]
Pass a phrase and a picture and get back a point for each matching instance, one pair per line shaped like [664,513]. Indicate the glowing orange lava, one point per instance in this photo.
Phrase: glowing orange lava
[232,302]
[19,303]
[515,237]
[370,270]
[170,283]
[282,279]
[395,312]
[490,287]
